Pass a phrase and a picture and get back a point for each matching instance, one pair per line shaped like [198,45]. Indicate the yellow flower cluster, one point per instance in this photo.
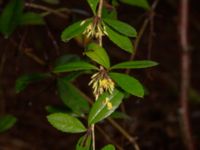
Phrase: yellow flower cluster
[94,30]
[101,82]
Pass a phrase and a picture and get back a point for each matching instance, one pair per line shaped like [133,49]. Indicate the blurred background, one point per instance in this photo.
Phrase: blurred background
[154,120]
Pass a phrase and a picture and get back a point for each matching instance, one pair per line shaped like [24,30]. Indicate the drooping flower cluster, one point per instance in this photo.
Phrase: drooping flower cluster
[94,30]
[101,82]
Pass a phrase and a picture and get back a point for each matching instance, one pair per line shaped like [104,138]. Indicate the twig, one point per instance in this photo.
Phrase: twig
[126,134]
[151,34]
[50,10]
[54,42]
[34,57]
[99,13]
[28,52]
[108,137]
[185,72]
[142,30]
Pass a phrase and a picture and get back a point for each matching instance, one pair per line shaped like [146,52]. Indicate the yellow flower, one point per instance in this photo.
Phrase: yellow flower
[107,84]
[101,83]
[108,103]
[94,30]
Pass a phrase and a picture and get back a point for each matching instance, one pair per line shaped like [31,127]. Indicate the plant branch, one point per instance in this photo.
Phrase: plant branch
[122,130]
[185,72]
[108,137]
[28,52]
[142,30]
[99,13]
[47,9]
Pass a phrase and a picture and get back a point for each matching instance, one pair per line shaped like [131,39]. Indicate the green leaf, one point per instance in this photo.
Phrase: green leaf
[122,41]
[137,64]
[98,54]
[52,1]
[74,66]
[72,97]
[108,147]
[84,143]
[73,75]
[121,27]
[115,3]
[112,14]
[119,115]
[66,123]
[139,3]
[31,18]
[23,81]
[74,30]
[100,109]
[128,84]
[6,122]
[56,109]
[10,17]
[64,59]
[93,5]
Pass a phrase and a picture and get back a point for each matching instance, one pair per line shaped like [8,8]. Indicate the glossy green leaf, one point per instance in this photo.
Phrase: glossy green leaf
[84,143]
[23,81]
[73,75]
[72,97]
[119,115]
[121,27]
[66,123]
[52,1]
[112,14]
[108,147]
[137,64]
[100,109]
[10,17]
[6,122]
[122,41]
[98,54]
[74,30]
[31,18]
[74,66]
[66,58]
[128,84]
[139,3]
[93,5]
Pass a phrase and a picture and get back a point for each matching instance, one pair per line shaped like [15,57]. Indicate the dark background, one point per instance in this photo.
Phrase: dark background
[155,120]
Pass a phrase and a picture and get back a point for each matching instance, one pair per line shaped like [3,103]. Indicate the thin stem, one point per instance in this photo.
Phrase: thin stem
[93,136]
[99,13]
[126,134]
[142,30]
[44,8]
[28,52]
[185,72]
[108,137]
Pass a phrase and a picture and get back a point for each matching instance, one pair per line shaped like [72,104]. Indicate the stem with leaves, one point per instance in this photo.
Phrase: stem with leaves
[99,13]
[108,85]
